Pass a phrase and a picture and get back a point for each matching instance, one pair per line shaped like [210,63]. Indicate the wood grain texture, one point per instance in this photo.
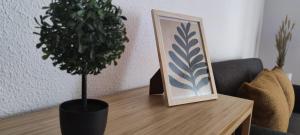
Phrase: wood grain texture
[134,112]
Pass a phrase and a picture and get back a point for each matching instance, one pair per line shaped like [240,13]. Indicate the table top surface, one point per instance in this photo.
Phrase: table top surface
[134,112]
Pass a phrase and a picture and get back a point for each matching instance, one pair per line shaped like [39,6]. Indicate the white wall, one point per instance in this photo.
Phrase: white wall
[275,12]
[29,83]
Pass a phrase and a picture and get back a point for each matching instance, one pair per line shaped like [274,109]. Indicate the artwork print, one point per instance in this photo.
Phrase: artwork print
[184,62]
[187,60]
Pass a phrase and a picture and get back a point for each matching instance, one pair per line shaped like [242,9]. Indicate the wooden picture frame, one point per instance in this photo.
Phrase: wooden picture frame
[184,61]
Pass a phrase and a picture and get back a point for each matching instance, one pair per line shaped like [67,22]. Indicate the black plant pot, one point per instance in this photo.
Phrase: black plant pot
[74,120]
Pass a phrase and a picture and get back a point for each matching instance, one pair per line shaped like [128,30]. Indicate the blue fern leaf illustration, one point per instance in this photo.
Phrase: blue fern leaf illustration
[187,28]
[200,72]
[180,42]
[194,52]
[181,33]
[179,62]
[178,84]
[191,34]
[198,66]
[196,59]
[202,82]
[179,51]
[187,61]
[179,72]
[193,42]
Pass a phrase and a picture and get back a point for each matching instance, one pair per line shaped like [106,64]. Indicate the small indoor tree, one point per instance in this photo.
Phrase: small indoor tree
[82,37]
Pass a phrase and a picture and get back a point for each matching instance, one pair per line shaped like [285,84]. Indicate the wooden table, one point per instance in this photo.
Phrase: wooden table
[134,112]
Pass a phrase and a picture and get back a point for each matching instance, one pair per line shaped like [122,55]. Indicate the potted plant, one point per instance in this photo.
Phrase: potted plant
[82,37]
[283,36]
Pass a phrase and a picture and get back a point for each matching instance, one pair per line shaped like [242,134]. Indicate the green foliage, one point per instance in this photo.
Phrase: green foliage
[82,36]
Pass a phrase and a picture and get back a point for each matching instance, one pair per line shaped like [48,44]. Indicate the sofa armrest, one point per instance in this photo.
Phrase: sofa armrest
[297,99]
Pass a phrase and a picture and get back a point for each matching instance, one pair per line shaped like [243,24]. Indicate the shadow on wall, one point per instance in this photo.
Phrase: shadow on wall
[111,79]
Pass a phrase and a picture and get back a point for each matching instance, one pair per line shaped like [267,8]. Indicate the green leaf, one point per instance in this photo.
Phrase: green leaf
[124,18]
[46,56]
[45,7]
[92,54]
[71,24]
[45,17]
[90,26]
[80,12]
[39,45]
[36,21]
[100,12]
[36,33]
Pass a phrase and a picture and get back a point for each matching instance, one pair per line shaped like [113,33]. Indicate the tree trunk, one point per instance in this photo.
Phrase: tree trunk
[84,92]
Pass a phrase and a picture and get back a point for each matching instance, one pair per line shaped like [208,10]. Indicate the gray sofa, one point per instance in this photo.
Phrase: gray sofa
[229,75]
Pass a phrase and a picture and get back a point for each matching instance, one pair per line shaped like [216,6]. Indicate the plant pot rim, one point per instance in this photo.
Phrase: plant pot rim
[78,102]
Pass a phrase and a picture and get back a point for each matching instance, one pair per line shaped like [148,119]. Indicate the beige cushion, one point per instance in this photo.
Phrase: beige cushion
[286,86]
[270,105]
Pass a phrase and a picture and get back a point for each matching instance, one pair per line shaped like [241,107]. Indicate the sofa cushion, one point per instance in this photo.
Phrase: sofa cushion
[256,130]
[286,86]
[294,124]
[297,99]
[230,75]
[270,106]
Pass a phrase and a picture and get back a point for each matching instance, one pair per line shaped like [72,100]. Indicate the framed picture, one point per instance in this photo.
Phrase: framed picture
[184,61]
